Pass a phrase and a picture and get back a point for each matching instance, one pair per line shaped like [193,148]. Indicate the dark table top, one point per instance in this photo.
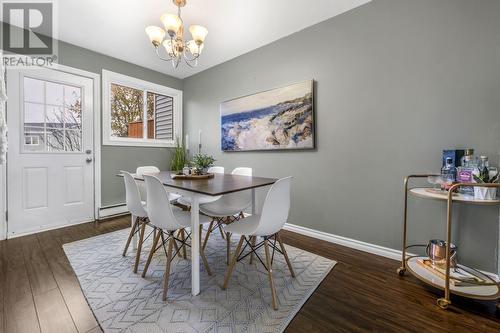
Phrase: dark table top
[218,185]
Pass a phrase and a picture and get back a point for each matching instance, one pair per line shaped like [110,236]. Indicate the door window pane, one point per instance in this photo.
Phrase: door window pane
[52,121]
[33,90]
[126,112]
[54,93]
[73,140]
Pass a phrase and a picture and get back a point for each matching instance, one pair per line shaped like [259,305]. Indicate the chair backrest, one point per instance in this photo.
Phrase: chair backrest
[216,169]
[159,209]
[242,171]
[241,199]
[140,171]
[275,209]
[132,195]
[146,169]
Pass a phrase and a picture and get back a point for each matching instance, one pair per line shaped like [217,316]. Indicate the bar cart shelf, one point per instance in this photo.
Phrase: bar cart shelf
[489,290]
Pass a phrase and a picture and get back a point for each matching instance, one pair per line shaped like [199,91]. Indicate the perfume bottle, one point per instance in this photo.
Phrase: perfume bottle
[448,174]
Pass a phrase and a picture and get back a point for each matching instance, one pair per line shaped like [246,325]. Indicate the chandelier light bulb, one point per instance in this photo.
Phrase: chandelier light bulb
[172,23]
[169,47]
[194,48]
[155,34]
[199,33]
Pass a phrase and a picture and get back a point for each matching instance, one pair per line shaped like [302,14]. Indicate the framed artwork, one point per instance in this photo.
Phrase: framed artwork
[277,119]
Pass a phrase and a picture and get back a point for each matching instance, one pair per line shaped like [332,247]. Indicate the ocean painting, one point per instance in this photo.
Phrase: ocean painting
[281,118]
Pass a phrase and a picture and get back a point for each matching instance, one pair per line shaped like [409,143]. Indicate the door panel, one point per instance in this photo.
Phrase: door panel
[50,158]
[74,185]
[35,188]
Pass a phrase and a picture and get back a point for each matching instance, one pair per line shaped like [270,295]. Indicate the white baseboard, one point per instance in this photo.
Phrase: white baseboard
[382,251]
[344,241]
[105,212]
[31,232]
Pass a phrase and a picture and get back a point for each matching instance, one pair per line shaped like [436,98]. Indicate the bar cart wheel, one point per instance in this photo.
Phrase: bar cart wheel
[401,271]
[443,303]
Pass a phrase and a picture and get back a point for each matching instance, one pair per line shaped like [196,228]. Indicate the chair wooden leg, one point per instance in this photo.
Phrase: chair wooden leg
[183,239]
[270,273]
[201,233]
[285,254]
[233,262]
[131,235]
[205,262]
[252,241]
[175,245]
[220,230]
[228,248]
[139,247]
[167,268]
[153,250]
[209,231]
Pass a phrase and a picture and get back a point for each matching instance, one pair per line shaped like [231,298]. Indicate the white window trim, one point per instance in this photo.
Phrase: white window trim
[109,77]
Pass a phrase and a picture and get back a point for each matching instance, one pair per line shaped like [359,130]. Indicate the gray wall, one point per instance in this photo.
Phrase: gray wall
[114,158]
[396,82]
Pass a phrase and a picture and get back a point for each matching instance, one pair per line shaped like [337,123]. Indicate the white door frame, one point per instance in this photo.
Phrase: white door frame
[96,79]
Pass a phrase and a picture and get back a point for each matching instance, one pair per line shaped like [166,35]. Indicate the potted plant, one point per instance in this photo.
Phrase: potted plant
[178,158]
[485,193]
[202,162]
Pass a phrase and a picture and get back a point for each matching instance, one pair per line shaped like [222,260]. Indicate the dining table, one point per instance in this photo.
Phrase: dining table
[219,184]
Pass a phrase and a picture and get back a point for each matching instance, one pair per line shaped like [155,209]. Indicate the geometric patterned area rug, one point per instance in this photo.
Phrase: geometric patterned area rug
[125,302]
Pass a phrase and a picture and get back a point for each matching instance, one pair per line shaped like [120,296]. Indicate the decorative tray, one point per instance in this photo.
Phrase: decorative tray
[192,177]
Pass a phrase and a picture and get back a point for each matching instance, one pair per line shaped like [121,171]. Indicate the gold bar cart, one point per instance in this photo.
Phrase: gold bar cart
[484,291]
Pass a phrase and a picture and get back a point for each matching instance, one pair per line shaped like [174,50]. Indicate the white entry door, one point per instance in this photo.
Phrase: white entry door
[50,177]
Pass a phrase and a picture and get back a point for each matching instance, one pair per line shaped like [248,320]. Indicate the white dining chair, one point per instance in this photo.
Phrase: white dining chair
[136,207]
[148,169]
[227,209]
[166,219]
[267,225]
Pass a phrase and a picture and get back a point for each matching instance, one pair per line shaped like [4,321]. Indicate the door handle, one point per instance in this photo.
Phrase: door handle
[88,159]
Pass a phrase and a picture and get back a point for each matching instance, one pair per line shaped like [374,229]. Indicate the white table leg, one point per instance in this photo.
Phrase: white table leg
[254,208]
[134,238]
[195,246]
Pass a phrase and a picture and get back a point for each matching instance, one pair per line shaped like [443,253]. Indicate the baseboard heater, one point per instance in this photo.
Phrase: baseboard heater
[113,210]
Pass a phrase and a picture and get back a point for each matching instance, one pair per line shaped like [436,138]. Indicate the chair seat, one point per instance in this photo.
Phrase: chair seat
[246,226]
[174,196]
[204,199]
[184,217]
[221,209]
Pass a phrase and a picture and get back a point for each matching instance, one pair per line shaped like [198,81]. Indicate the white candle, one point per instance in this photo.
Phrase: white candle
[199,140]
[187,142]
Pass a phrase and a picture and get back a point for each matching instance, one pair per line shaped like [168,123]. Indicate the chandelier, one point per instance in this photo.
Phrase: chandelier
[172,38]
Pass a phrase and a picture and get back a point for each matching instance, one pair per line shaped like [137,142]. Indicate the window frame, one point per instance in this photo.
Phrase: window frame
[108,78]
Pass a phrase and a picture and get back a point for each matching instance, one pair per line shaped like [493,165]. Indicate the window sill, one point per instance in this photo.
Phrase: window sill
[139,143]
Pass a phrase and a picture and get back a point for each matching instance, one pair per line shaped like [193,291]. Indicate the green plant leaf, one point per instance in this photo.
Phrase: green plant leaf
[478,179]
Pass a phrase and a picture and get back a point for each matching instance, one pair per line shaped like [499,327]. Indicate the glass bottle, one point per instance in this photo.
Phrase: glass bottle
[465,170]
[186,170]
[448,173]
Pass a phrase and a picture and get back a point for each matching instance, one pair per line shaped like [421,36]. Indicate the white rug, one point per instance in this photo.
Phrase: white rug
[124,302]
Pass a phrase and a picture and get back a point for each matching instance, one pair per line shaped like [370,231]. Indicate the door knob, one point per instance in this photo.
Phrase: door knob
[88,159]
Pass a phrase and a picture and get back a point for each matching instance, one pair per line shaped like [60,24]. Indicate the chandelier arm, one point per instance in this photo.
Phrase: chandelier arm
[195,57]
[188,62]
[163,58]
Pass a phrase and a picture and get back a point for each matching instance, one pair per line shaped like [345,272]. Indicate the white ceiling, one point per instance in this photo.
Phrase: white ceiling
[235,27]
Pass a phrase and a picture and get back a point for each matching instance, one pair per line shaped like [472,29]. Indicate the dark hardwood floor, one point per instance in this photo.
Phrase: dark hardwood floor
[40,293]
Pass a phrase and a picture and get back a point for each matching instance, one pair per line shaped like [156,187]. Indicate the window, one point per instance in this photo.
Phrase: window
[140,113]
[52,117]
